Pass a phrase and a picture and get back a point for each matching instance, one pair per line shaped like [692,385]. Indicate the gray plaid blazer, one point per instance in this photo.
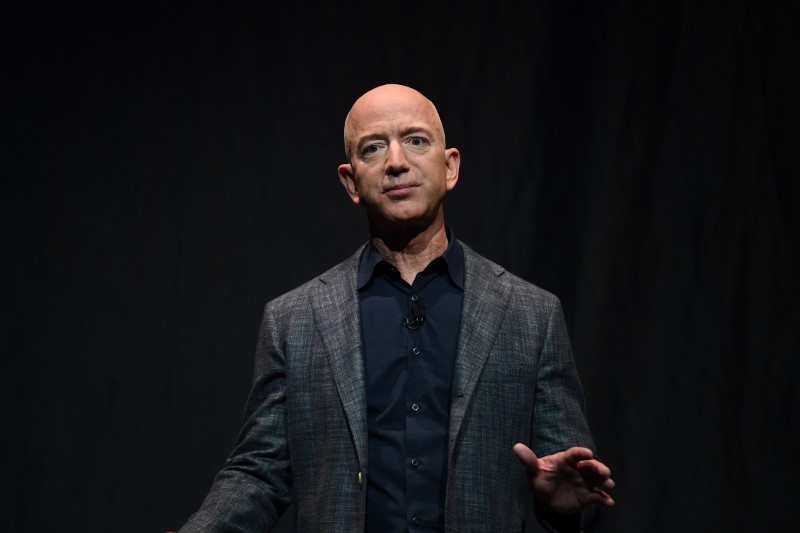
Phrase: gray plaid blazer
[304,436]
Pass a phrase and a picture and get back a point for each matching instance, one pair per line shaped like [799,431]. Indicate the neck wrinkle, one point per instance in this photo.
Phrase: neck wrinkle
[411,255]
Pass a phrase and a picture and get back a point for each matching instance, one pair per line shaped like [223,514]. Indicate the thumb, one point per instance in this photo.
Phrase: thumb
[526,457]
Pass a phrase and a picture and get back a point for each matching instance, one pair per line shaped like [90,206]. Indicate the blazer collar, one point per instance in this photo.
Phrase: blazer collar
[336,312]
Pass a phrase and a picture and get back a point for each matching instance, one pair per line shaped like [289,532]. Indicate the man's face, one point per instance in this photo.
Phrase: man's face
[399,169]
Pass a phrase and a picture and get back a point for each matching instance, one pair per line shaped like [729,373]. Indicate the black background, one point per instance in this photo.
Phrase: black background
[637,159]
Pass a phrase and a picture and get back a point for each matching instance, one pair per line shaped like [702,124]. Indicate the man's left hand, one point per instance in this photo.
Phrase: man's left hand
[567,481]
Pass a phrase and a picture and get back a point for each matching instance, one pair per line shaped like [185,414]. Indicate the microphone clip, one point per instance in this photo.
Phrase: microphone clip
[414,322]
[417,317]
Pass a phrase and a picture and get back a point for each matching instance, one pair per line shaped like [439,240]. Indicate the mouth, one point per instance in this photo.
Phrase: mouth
[399,190]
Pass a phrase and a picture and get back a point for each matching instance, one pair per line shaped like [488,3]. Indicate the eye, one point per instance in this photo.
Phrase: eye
[417,143]
[370,150]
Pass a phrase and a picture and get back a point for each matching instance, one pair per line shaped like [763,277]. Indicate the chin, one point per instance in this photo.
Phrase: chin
[408,216]
[409,221]
[403,216]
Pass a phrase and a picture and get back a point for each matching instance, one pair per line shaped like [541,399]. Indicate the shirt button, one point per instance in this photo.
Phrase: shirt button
[414,298]
[416,520]
[415,350]
[415,462]
[414,407]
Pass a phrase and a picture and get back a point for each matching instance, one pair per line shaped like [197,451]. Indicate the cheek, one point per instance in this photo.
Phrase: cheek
[370,186]
[370,174]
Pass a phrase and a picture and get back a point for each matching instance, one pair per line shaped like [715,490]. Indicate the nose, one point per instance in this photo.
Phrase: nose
[396,162]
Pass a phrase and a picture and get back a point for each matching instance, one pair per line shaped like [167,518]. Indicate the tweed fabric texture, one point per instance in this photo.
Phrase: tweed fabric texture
[304,436]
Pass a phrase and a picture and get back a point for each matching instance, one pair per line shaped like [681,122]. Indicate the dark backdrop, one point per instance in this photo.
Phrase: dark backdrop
[637,159]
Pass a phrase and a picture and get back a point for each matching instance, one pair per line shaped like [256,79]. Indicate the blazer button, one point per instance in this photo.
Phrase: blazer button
[415,350]
[415,462]
[416,520]
[414,407]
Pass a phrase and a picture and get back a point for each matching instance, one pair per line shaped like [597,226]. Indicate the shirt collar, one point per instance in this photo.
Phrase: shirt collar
[453,257]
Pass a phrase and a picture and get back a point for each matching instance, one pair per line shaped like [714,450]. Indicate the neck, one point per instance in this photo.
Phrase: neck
[410,252]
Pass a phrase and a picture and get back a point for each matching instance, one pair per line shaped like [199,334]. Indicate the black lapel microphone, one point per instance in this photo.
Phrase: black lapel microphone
[417,314]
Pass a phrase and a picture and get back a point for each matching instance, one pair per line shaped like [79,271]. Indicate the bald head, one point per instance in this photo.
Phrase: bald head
[389,100]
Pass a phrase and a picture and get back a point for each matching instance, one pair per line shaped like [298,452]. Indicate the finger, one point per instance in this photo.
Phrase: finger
[599,482]
[578,453]
[593,467]
[526,456]
[595,481]
[604,498]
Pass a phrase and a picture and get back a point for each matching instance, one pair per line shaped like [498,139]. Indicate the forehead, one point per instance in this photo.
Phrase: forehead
[389,112]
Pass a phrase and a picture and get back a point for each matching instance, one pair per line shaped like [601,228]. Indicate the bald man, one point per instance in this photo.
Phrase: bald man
[417,386]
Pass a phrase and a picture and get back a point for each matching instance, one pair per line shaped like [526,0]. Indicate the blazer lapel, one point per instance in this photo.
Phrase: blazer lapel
[335,307]
[336,312]
[485,302]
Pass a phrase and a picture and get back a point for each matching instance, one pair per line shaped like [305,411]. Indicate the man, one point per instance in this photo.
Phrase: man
[389,393]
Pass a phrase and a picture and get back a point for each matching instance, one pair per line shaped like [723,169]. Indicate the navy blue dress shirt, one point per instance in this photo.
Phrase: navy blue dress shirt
[410,336]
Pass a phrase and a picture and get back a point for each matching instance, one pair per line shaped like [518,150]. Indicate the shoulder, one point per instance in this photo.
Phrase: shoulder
[343,274]
[481,272]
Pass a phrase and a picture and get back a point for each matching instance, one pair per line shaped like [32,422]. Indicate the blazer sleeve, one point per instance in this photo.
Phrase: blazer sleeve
[559,408]
[559,411]
[253,489]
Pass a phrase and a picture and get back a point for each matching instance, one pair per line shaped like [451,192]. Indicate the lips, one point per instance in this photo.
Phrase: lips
[399,189]
[399,192]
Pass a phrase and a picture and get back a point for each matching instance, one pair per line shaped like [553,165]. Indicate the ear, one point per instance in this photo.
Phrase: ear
[348,179]
[452,162]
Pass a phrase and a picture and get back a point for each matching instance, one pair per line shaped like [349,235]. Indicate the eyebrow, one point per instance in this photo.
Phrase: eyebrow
[416,129]
[403,133]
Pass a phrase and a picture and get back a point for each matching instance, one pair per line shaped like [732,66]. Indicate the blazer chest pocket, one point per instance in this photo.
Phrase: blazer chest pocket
[508,373]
